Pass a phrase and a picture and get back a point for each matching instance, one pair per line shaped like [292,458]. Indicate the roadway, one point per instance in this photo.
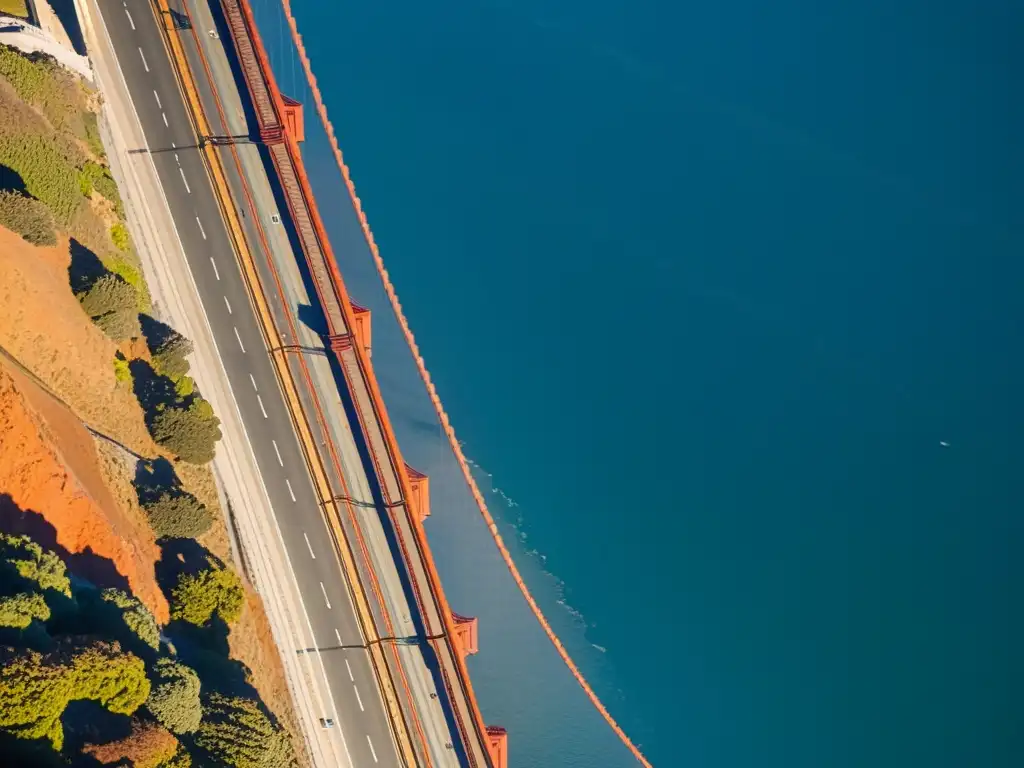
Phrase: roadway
[357,706]
[294,307]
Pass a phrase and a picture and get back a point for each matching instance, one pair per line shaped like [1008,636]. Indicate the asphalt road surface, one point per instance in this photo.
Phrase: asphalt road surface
[147,70]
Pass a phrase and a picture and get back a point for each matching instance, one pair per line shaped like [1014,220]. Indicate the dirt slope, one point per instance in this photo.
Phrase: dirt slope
[52,488]
[44,327]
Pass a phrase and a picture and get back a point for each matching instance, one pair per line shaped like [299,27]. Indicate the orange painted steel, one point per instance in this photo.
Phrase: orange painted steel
[435,398]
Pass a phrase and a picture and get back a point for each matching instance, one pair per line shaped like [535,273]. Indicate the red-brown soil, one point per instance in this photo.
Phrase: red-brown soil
[52,488]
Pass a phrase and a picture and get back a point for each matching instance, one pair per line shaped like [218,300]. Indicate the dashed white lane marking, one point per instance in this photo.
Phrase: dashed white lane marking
[290,491]
[253,383]
[359,699]
[130,19]
[174,146]
[164,116]
[238,336]
[182,172]
[143,59]
[227,304]
[372,750]
[201,230]
[347,665]
[309,546]
[337,634]
[215,272]
[158,100]
[260,399]
[324,590]
[176,159]
[279,459]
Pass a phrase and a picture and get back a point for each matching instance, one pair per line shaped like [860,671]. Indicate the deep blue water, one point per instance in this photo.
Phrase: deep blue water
[703,286]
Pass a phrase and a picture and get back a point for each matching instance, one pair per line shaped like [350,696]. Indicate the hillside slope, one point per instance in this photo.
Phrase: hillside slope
[52,488]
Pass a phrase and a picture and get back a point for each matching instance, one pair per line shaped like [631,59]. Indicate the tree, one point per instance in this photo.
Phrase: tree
[110,293]
[174,698]
[198,596]
[190,433]
[178,515]
[34,692]
[147,746]
[120,325]
[169,353]
[19,610]
[27,217]
[135,616]
[36,689]
[236,732]
[116,680]
[28,560]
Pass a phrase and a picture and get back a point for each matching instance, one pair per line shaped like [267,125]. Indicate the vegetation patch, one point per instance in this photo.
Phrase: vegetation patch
[47,173]
[29,218]
[112,304]
[119,236]
[14,8]
[60,96]
[215,590]
[37,688]
[122,371]
[178,515]
[190,433]
[135,616]
[237,732]
[174,697]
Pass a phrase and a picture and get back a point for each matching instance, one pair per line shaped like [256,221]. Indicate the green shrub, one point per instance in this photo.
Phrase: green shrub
[94,176]
[236,732]
[190,433]
[109,293]
[215,590]
[19,610]
[29,561]
[180,516]
[43,83]
[35,689]
[48,174]
[115,679]
[119,325]
[119,237]
[122,370]
[184,386]
[170,355]
[174,698]
[123,267]
[90,125]
[203,408]
[29,78]
[135,615]
[27,217]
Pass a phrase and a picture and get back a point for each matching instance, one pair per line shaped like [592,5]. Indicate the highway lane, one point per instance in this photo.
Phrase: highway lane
[221,98]
[154,91]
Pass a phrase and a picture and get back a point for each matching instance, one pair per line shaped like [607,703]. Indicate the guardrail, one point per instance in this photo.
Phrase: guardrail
[392,479]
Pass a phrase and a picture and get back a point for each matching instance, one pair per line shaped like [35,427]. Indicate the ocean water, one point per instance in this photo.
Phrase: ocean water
[725,300]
